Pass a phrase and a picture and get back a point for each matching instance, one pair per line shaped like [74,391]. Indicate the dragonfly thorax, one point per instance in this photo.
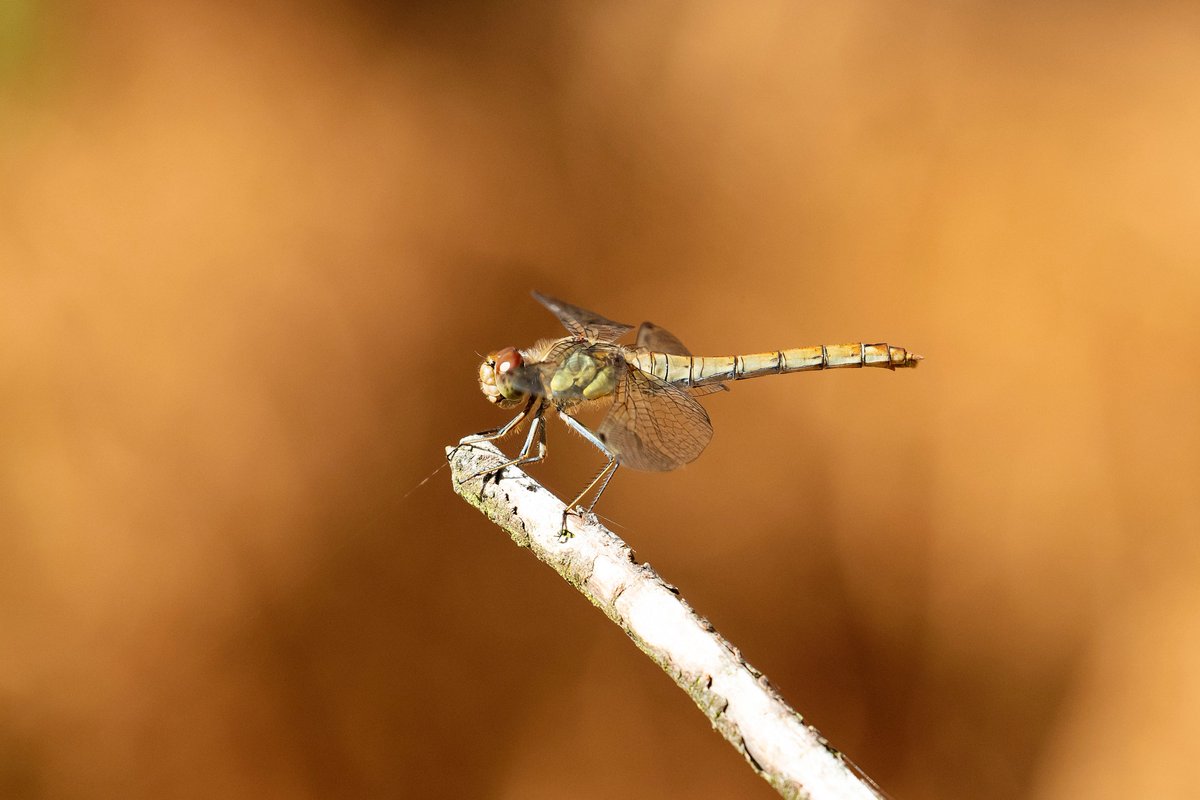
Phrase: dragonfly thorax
[585,374]
[495,377]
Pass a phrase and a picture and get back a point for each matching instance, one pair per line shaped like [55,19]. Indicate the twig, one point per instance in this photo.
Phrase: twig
[738,700]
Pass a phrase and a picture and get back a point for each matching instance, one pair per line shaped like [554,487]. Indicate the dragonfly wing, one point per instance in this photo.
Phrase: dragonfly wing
[708,388]
[660,340]
[653,425]
[583,323]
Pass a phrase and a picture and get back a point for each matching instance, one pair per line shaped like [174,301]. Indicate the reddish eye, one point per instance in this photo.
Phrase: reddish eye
[507,360]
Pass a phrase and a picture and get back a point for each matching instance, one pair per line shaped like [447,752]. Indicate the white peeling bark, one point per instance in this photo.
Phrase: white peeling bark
[738,700]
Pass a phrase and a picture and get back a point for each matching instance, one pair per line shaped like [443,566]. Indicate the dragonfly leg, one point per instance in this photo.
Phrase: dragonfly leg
[602,477]
[492,434]
[614,465]
[537,434]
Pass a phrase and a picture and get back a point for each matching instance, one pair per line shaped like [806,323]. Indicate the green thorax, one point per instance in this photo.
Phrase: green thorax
[585,373]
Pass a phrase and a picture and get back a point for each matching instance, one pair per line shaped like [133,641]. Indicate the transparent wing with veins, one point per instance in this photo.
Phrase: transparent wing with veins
[653,425]
[660,340]
[583,324]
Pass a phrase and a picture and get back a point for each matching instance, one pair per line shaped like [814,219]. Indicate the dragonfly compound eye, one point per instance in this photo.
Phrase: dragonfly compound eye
[493,373]
[507,360]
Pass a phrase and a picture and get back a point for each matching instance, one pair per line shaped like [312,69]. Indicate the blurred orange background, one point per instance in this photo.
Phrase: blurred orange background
[249,256]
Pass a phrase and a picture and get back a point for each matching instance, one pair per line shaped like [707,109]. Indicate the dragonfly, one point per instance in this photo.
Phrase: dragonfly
[653,422]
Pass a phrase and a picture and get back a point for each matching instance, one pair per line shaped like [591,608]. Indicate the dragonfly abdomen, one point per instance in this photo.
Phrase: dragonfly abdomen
[702,370]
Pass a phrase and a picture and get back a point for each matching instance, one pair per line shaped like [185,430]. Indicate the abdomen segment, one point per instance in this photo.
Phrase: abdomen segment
[701,370]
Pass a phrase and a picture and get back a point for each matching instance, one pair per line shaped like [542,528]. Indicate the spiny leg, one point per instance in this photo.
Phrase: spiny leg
[495,434]
[602,477]
[613,471]
[492,434]
[537,433]
[605,473]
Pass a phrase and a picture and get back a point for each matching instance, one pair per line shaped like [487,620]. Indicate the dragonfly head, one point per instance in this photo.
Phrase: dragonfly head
[495,378]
